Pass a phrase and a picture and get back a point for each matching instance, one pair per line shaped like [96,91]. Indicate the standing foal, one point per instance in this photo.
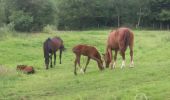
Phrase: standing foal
[90,52]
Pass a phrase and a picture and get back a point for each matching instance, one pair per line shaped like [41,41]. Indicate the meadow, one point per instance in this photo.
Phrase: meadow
[148,80]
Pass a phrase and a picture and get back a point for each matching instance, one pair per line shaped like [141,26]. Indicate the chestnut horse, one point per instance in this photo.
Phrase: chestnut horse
[50,47]
[119,40]
[26,69]
[91,53]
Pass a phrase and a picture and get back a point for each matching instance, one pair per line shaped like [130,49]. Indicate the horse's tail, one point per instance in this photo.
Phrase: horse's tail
[62,48]
[127,38]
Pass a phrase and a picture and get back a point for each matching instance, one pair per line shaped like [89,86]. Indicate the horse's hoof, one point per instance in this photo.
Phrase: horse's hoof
[82,71]
[131,67]
[112,68]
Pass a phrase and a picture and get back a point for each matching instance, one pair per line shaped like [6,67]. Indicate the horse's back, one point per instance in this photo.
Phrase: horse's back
[124,31]
[112,41]
[57,40]
[84,50]
[120,38]
[56,43]
[81,48]
[53,44]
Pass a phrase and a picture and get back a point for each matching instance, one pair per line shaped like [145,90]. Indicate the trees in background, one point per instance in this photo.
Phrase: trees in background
[2,13]
[160,13]
[33,15]
[28,15]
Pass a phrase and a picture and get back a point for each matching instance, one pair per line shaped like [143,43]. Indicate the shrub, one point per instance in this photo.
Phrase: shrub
[22,21]
[6,30]
[49,29]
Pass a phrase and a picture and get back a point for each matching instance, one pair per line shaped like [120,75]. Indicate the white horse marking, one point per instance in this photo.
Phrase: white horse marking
[132,64]
[81,70]
[123,64]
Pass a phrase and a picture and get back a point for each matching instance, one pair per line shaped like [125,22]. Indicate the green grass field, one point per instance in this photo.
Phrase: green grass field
[148,80]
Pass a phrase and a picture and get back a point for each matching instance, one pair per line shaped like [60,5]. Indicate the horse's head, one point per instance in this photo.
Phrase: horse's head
[99,61]
[101,64]
[46,52]
[21,67]
[106,59]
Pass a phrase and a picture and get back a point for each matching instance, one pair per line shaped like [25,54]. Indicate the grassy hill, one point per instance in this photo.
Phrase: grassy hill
[149,79]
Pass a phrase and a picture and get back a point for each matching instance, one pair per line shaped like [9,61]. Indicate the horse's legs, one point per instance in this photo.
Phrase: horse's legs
[88,59]
[75,64]
[123,57]
[54,58]
[47,62]
[115,58]
[110,57]
[60,55]
[78,60]
[131,57]
[51,65]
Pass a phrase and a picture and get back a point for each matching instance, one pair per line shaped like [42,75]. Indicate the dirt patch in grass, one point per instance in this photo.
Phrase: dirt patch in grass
[5,71]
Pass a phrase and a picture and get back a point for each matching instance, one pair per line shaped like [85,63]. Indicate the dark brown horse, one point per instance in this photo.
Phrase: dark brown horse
[119,40]
[90,52]
[50,47]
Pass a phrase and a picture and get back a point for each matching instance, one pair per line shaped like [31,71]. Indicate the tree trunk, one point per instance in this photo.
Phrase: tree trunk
[118,21]
[98,25]
[167,26]
[160,26]
[153,26]
[139,19]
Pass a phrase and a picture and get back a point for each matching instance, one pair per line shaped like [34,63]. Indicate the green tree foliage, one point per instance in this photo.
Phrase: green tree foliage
[77,14]
[160,12]
[22,21]
[33,15]
[2,13]
[29,15]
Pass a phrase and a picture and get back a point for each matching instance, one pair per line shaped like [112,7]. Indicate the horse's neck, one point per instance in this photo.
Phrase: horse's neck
[107,48]
[108,53]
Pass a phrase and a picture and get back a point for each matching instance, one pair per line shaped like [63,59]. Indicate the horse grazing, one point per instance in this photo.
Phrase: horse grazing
[90,52]
[119,40]
[50,47]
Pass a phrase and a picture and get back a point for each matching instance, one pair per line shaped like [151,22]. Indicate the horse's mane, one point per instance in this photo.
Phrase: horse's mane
[127,38]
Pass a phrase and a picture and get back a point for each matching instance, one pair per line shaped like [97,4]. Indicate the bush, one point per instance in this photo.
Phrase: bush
[49,29]
[6,30]
[22,21]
